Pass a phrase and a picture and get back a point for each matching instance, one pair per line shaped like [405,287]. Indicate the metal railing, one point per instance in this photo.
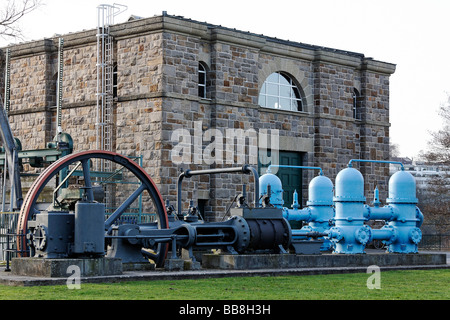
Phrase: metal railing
[435,242]
[8,236]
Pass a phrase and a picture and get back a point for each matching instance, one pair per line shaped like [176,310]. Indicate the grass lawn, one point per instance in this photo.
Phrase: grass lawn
[395,285]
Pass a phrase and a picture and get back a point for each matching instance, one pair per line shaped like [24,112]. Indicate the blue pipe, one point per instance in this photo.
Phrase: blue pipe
[383,234]
[387,213]
[419,216]
[294,167]
[376,161]
[297,214]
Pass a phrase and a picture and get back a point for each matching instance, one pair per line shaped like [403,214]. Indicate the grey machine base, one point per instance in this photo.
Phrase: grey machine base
[267,261]
[55,268]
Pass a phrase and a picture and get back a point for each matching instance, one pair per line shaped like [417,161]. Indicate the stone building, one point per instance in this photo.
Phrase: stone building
[184,90]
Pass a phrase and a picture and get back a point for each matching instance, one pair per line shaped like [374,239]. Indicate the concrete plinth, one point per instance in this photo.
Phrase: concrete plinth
[174,264]
[276,261]
[56,268]
[181,264]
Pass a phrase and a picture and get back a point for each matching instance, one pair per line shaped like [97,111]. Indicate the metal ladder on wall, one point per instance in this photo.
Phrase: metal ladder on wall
[105,86]
[105,76]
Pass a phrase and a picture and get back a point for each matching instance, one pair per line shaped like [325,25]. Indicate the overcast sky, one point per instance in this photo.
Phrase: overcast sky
[409,33]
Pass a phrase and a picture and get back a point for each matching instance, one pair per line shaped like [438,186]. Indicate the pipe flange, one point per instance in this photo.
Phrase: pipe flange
[335,234]
[415,235]
[363,234]
[394,235]
[242,233]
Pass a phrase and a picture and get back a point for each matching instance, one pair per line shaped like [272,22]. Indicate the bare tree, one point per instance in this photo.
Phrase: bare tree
[434,202]
[11,12]
[435,199]
[393,150]
[439,147]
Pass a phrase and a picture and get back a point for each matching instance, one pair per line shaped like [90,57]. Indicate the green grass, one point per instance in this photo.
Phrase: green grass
[395,285]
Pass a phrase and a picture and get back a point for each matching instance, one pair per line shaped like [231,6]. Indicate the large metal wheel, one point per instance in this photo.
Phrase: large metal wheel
[84,160]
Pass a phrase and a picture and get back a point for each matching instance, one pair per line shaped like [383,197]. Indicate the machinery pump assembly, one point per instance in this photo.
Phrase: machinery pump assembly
[340,220]
[76,223]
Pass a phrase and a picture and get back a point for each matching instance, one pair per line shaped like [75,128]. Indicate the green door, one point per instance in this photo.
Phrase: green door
[290,178]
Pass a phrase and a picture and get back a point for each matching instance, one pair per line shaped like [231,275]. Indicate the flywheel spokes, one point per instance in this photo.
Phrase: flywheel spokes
[124,184]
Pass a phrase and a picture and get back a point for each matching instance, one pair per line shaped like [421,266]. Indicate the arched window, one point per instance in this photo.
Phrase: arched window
[280,92]
[201,80]
[356,104]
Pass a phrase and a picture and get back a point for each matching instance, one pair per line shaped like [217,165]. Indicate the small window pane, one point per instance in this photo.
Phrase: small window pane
[262,100]
[297,105]
[272,102]
[201,92]
[296,93]
[263,88]
[273,78]
[201,81]
[285,91]
[285,103]
[272,89]
[201,78]
[285,81]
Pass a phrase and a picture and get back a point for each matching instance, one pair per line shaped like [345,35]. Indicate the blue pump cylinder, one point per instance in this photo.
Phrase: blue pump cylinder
[402,197]
[402,188]
[349,186]
[320,210]
[320,201]
[276,189]
[403,218]
[320,192]
[349,235]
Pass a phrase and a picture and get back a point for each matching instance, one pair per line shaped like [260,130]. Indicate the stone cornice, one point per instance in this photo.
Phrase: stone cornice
[368,64]
[211,33]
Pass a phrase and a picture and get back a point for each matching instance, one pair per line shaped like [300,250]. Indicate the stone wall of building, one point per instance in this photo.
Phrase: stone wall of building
[157,107]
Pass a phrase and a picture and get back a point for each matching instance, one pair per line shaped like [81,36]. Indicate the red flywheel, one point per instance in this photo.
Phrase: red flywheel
[31,205]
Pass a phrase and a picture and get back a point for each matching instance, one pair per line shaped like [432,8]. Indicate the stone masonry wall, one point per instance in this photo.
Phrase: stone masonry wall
[32,90]
[157,106]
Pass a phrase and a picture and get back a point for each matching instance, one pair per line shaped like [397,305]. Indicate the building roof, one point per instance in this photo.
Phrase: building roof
[267,38]
[137,24]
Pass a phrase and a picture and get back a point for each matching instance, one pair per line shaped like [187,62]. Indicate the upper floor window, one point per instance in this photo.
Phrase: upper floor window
[201,80]
[356,104]
[280,92]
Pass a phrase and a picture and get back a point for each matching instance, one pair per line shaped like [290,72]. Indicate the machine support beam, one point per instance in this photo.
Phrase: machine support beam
[121,209]
[12,160]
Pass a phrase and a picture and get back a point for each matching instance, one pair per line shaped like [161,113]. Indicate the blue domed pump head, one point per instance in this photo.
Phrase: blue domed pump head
[276,188]
[270,183]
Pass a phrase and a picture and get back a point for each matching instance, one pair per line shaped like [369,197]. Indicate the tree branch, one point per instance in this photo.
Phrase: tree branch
[11,13]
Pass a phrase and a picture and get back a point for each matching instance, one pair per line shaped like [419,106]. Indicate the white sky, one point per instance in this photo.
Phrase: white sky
[409,33]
